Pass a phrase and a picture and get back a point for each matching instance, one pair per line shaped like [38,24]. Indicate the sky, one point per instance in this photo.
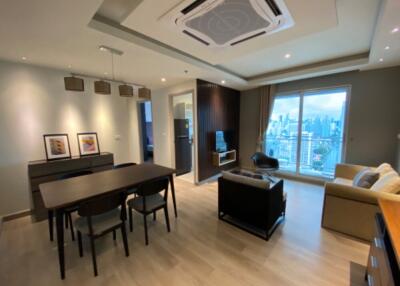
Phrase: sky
[314,105]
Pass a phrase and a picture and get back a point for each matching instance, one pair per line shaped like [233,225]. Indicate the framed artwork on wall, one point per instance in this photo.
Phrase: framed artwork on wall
[88,144]
[57,146]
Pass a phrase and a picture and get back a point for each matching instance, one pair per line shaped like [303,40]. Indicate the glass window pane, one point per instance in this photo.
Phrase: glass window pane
[282,132]
[322,132]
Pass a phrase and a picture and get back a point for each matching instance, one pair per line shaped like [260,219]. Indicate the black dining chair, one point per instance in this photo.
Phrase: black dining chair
[69,210]
[264,163]
[124,165]
[100,216]
[149,200]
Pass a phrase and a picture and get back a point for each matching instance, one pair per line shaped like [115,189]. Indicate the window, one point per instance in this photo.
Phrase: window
[306,131]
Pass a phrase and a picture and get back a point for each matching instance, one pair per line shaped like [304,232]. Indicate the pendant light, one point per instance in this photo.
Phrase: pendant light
[74,83]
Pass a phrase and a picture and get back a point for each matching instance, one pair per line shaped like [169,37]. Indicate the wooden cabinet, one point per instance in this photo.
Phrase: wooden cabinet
[383,264]
[45,171]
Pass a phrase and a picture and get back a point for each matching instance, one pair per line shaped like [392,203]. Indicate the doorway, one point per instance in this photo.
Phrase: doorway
[183,135]
[146,130]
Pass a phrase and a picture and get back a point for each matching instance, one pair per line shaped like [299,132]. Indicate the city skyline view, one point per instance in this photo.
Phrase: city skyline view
[322,132]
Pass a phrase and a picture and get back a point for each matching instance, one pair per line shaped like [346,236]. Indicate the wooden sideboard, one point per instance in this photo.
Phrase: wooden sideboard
[45,171]
[383,268]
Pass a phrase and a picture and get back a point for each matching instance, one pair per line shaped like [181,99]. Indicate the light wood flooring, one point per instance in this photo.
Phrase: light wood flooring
[199,250]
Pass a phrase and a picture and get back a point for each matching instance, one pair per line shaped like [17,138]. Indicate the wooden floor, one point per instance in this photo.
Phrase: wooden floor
[200,250]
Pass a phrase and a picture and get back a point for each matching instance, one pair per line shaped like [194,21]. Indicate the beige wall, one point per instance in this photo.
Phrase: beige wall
[374,117]
[162,122]
[33,102]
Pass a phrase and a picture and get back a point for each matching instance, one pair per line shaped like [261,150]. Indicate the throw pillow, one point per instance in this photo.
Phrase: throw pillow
[384,169]
[389,183]
[365,178]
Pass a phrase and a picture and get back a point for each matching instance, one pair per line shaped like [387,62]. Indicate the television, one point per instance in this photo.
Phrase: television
[221,144]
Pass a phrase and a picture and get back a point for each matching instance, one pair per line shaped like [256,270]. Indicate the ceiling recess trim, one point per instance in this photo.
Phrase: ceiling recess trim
[115,29]
[343,64]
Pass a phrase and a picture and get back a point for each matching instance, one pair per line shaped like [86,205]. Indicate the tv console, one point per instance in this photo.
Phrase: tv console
[223,158]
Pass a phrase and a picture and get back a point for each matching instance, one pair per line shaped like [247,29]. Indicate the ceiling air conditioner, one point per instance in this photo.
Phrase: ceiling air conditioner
[222,23]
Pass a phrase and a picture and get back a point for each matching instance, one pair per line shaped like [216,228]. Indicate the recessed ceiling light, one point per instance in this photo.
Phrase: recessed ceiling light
[69,66]
[387,48]
[105,73]
[380,60]
[395,30]
[287,56]
[163,79]
[23,58]
[222,81]
[102,48]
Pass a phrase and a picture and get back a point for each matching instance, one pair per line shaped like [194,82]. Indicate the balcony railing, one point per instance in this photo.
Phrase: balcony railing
[318,156]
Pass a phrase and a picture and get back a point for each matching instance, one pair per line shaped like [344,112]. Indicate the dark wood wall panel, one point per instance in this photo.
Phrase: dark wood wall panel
[218,108]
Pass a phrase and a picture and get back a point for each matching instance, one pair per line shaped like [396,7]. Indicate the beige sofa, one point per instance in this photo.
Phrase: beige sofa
[348,209]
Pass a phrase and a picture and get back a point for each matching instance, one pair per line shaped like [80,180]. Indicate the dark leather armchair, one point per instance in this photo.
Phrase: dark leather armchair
[265,163]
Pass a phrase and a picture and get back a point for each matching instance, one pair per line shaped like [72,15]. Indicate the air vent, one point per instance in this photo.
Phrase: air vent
[223,23]
[192,6]
[196,38]
[274,8]
[248,38]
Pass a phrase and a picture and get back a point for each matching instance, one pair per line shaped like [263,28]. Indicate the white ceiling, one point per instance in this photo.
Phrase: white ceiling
[57,34]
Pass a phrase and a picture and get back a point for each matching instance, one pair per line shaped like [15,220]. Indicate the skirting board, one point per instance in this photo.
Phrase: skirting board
[16,215]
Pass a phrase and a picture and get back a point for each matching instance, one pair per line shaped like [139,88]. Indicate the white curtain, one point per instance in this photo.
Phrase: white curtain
[266,104]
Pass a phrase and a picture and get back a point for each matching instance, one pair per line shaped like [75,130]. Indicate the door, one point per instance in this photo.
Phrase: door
[183,146]
[146,126]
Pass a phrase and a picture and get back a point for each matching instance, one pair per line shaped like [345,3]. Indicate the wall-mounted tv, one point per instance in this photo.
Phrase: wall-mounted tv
[223,141]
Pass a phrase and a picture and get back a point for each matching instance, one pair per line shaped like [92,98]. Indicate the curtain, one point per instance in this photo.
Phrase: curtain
[266,104]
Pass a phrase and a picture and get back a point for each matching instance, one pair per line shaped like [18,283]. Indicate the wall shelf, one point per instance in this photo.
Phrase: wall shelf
[223,158]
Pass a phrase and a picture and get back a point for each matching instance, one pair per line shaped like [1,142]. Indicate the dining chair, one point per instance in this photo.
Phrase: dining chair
[68,211]
[124,165]
[149,200]
[100,216]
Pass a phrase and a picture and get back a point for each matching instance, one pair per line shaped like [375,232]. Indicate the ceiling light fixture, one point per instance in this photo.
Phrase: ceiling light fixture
[222,81]
[74,83]
[163,79]
[380,60]
[387,48]
[23,58]
[125,90]
[111,50]
[395,30]
[287,56]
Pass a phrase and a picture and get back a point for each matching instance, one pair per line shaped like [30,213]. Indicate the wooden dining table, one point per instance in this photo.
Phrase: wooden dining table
[61,194]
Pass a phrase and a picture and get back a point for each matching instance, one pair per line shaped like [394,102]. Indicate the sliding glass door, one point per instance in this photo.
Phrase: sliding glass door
[306,131]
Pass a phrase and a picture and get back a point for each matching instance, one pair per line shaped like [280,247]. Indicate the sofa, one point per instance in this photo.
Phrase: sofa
[350,209]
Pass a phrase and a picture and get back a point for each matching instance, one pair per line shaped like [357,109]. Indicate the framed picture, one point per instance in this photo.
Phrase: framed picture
[57,146]
[88,144]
